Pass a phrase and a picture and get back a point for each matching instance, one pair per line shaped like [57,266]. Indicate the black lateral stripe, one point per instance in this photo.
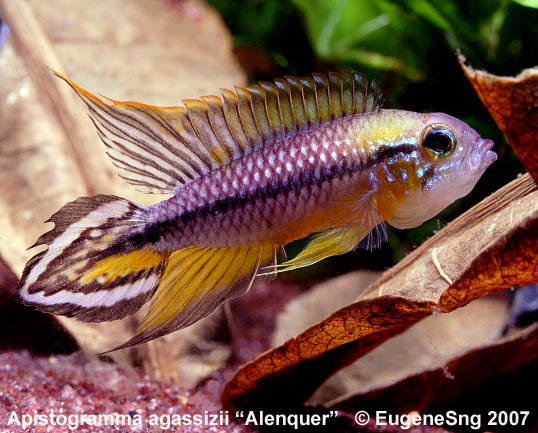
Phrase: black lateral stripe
[385,152]
[307,179]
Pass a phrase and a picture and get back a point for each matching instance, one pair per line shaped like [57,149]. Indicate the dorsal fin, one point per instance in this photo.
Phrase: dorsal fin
[160,149]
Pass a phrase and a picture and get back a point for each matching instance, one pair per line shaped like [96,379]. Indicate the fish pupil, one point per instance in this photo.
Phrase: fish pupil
[440,142]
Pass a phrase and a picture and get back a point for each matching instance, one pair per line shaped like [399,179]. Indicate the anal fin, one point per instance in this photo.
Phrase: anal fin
[195,282]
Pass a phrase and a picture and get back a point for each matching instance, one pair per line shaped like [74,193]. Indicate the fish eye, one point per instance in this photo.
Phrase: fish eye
[439,140]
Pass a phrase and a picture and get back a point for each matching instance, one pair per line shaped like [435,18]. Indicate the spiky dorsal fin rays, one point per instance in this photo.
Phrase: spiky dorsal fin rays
[195,282]
[160,149]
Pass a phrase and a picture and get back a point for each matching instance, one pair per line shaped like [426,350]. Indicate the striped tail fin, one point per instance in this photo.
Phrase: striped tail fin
[87,271]
[94,270]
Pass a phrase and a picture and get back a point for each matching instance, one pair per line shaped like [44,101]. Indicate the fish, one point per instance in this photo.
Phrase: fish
[247,173]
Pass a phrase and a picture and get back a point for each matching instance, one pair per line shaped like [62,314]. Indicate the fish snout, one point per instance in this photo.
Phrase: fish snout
[482,155]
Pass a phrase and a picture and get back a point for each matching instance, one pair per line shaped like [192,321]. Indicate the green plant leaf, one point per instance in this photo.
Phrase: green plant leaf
[527,3]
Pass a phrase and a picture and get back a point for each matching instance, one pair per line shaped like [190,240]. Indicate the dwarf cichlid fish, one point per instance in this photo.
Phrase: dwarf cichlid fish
[249,172]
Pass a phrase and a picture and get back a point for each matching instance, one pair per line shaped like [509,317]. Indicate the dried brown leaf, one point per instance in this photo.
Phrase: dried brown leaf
[301,364]
[440,386]
[512,261]
[513,103]
[427,345]
[318,302]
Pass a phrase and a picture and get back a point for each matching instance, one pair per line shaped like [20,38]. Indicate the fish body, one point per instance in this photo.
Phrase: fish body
[275,195]
[249,173]
[310,183]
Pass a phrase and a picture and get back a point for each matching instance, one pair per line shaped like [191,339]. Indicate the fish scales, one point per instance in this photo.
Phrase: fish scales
[256,197]
[248,174]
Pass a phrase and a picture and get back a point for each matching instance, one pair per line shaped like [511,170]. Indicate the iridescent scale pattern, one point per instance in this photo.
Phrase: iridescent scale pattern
[262,195]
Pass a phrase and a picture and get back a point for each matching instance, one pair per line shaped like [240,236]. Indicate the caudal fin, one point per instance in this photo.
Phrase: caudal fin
[87,271]
[93,271]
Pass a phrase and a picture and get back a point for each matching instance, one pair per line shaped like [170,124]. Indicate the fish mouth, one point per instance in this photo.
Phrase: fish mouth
[482,155]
